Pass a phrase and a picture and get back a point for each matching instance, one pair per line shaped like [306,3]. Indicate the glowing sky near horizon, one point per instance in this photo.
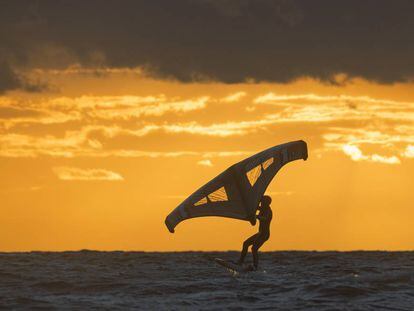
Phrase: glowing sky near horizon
[101,162]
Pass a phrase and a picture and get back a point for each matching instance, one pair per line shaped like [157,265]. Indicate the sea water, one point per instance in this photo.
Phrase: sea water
[190,280]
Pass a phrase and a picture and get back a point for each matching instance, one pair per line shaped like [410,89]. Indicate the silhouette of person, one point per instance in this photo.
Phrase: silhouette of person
[257,240]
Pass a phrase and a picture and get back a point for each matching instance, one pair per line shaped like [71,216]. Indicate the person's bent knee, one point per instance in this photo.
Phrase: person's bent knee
[246,244]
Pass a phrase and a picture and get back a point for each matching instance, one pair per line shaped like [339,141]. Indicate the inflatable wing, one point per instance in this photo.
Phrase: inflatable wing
[237,191]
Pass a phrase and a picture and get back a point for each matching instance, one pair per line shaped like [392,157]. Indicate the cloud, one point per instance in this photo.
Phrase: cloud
[382,137]
[354,152]
[409,152]
[205,162]
[217,130]
[10,79]
[65,109]
[96,124]
[230,41]
[385,138]
[327,108]
[73,173]
[235,97]
[135,110]
[356,155]
[80,143]
[76,69]
[72,143]
[125,107]
[272,98]
[367,135]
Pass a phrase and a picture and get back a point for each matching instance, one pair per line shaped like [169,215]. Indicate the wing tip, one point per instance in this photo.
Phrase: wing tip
[169,225]
[305,156]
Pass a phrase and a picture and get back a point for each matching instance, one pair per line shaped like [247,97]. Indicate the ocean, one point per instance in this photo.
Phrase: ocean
[293,280]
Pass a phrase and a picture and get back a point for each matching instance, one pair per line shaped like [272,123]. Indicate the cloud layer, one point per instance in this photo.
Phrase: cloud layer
[73,173]
[229,41]
[361,127]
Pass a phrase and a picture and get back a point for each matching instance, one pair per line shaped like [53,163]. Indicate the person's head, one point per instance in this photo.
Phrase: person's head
[266,200]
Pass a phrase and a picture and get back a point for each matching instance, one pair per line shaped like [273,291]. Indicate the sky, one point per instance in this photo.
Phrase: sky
[111,117]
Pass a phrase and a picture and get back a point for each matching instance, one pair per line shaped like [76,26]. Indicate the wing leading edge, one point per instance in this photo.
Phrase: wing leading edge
[237,191]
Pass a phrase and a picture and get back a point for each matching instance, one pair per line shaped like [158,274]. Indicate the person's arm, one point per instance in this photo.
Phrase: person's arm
[256,216]
[254,221]
[260,216]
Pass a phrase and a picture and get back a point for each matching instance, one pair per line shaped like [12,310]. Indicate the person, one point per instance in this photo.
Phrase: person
[257,240]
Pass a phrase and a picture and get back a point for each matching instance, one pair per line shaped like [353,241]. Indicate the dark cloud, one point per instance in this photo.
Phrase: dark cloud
[10,80]
[226,40]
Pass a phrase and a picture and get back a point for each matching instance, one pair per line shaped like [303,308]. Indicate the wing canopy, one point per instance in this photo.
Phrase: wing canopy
[237,191]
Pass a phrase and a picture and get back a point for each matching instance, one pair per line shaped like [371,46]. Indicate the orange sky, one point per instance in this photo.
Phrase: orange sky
[99,160]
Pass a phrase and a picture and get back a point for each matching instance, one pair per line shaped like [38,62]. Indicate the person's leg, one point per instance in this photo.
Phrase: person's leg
[246,245]
[255,248]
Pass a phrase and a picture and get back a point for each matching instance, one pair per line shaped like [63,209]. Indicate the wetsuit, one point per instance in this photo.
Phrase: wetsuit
[265,217]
